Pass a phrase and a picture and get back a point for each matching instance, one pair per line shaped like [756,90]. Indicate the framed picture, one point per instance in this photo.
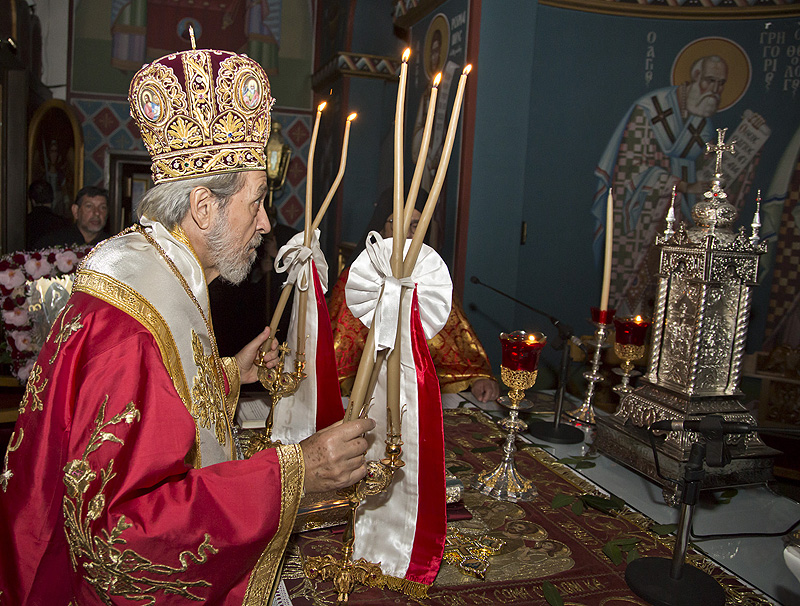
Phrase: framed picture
[127,179]
[55,153]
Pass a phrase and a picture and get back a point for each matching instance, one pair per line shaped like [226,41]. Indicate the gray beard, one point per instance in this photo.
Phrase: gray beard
[697,105]
[233,264]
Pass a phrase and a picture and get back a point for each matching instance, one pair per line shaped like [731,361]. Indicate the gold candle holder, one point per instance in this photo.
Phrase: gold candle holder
[345,572]
[627,353]
[278,385]
[629,346]
[518,371]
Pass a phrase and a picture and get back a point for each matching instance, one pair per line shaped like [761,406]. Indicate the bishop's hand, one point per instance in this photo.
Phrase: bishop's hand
[334,457]
[248,371]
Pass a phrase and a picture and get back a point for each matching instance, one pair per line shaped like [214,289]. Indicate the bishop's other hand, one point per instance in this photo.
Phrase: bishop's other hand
[335,457]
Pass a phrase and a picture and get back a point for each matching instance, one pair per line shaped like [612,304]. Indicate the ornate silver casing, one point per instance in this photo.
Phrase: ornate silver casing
[702,311]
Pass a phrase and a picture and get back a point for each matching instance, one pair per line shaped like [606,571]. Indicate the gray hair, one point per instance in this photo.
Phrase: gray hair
[168,203]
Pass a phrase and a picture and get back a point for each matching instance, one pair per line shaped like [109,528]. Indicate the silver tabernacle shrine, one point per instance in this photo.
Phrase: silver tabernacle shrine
[706,276]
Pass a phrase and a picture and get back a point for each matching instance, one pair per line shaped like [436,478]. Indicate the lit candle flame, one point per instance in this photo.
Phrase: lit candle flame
[638,319]
[467,68]
[322,106]
[437,80]
[352,117]
[406,55]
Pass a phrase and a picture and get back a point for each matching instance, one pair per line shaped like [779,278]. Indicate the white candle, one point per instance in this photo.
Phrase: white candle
[607,259]
[397,214]
[310,174]
[339,175]
[441,171]
[398,242]
[423,155]
[302,303]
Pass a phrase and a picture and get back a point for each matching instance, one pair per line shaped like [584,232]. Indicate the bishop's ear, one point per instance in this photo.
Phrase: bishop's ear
[202,207]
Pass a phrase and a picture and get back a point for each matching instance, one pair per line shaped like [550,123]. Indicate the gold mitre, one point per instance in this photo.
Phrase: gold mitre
[202,112]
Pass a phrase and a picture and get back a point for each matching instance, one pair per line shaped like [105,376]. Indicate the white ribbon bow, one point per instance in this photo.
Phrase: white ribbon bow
[373,294]
[295,258]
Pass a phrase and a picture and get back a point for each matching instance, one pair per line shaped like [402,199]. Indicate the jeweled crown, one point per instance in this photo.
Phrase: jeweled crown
[202,112]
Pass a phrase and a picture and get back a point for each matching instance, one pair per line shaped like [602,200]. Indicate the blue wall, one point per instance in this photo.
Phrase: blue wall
[552,86]
[500,183]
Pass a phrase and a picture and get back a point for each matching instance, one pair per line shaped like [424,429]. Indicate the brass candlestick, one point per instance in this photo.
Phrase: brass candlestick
[518,371]
[278,384]
[627,353]
[345,572]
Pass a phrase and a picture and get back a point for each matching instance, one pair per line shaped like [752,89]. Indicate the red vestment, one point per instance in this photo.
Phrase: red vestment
[99,502]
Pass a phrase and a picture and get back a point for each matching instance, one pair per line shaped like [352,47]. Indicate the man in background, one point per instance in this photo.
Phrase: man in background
[90,212]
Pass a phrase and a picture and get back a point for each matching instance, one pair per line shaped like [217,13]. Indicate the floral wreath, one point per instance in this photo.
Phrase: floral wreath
[16,271]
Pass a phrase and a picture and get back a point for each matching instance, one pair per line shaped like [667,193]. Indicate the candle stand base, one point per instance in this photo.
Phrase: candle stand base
[562,433]
[504,482]
[623,437]
[346,572]
[625,387]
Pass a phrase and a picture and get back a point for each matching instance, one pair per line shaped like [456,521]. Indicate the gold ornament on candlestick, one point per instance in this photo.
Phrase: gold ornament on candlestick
[279,384]
[518,371]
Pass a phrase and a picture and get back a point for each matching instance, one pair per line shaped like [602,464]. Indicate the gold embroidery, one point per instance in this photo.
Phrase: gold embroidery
[262,578]
[232,371]
[32,390]
[7,473]
[110,571]
[66,330]
[208,401]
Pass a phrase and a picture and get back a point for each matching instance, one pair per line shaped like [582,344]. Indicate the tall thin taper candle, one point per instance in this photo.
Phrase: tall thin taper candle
[607,259]
[397,214]
[398,242]
[302,304]
[438,181]
[339,175]
[413,191]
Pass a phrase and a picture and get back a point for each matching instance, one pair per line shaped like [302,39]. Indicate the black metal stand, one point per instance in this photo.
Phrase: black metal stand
[675,583]
[557,433]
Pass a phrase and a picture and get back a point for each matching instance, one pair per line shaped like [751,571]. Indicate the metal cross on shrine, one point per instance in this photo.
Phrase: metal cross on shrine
[720,148]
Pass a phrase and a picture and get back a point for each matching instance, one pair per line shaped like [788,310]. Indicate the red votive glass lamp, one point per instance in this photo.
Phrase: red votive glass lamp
[629,346]
[521,349]
[602,316]
[631,331]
